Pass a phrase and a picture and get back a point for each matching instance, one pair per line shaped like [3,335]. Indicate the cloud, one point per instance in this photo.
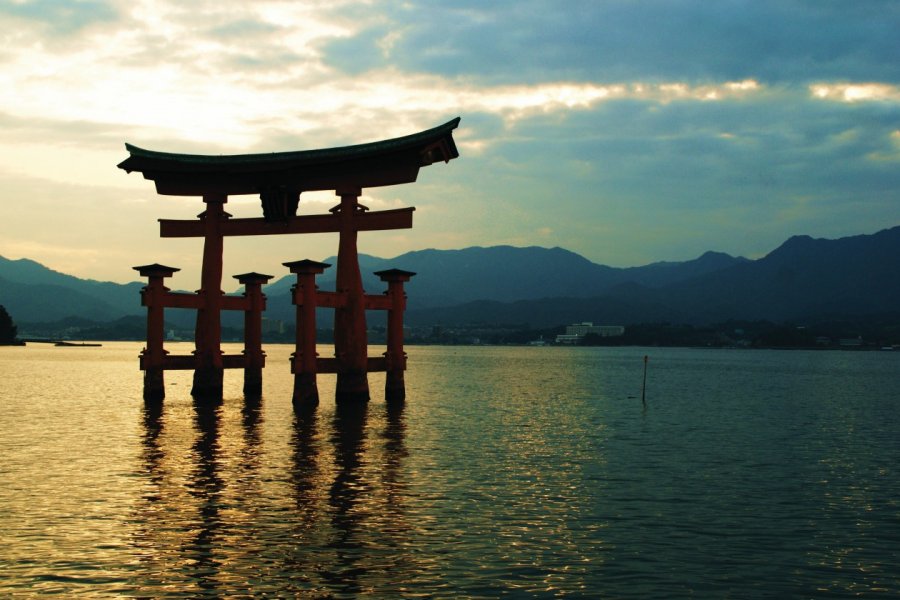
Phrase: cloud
[585,40]
[59,17]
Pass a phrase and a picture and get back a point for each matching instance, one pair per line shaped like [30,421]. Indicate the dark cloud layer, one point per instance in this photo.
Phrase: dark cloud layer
[617,40]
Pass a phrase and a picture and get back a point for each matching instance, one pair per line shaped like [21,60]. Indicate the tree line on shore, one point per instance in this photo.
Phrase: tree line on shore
[876,331]
[8,329]
[859,332]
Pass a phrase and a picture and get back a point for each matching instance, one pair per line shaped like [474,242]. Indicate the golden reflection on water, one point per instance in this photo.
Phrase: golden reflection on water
[212,514]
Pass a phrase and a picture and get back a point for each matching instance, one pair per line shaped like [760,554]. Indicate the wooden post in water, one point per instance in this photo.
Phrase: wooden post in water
[153,356]
[644,385]
[394,385]
[254,357]
[303,360]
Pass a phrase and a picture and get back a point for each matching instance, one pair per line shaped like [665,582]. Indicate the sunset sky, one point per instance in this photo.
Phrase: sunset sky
[628,131]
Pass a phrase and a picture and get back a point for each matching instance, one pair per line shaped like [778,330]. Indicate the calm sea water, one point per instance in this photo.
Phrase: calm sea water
[510,472]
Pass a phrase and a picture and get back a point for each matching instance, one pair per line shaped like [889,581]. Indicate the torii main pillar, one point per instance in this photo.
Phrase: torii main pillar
[208,333]
[350,344]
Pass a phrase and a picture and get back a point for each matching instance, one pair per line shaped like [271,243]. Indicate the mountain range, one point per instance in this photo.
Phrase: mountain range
[801,279]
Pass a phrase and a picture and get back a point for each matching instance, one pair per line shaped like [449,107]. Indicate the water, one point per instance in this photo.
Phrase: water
[510,472]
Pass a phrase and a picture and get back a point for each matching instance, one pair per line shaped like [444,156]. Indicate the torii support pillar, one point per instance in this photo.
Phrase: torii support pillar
[254,357]
[303,361]
[395,386]
[153,356]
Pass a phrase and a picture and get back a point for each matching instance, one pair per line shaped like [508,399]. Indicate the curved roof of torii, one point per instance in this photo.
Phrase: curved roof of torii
[387,162]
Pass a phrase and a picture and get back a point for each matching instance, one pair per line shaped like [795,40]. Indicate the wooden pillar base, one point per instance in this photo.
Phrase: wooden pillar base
[253,382]
[154,385]
[352,387]
[306,390]
[394,387]
[207,383]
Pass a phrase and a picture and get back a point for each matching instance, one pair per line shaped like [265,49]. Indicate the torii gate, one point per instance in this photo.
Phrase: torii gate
[279,179]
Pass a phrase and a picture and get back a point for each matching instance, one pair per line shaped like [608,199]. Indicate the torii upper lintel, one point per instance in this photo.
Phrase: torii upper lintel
[387,162]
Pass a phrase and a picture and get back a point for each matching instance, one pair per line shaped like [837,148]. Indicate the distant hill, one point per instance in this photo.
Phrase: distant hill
[804,278]
[32,292]
[665,273]
[509,274]
[543,287]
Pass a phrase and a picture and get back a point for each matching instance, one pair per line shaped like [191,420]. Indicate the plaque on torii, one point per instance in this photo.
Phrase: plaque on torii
[279,179]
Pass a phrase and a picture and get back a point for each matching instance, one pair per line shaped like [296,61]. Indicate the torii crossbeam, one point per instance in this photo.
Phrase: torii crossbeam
[279,179]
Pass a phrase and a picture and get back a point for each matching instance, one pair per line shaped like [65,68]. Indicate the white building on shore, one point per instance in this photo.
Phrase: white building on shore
[574,333]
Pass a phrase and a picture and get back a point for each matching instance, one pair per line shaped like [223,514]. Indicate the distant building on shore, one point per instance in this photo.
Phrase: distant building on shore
[575,333]
[272,325]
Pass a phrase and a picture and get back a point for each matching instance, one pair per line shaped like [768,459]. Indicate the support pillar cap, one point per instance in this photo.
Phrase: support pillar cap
[306,266]
[248,278]
[155,270]
[394,275]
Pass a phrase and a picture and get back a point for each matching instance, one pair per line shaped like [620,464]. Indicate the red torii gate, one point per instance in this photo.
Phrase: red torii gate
[279,179]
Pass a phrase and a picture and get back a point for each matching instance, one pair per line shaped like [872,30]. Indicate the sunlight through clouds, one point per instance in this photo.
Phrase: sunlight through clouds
[856,92]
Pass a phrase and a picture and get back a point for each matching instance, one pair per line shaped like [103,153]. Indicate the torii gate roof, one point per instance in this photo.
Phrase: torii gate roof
[387,162]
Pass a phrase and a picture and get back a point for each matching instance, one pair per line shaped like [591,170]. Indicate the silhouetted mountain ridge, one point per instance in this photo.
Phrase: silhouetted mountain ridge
[803,277]
[508,274]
